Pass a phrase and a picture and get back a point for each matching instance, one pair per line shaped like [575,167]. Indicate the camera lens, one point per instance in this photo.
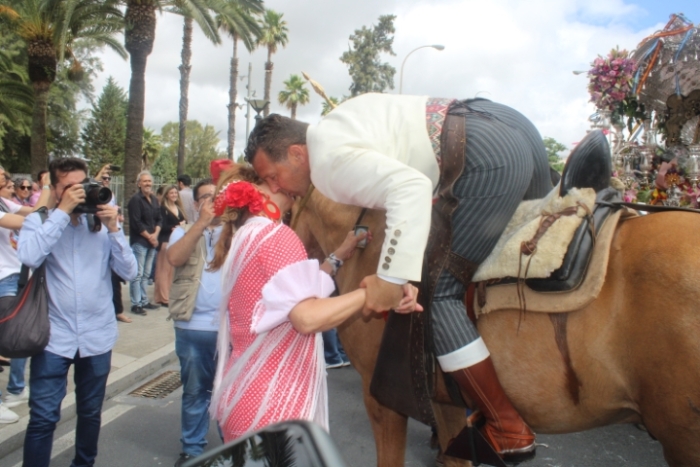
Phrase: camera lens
[104,195]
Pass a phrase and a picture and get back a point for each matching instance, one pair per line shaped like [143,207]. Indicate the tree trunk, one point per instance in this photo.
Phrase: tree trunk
[294,111]
[268,81]
[38,150]
[139,35]
[232,91]
[185,69]
[42,63]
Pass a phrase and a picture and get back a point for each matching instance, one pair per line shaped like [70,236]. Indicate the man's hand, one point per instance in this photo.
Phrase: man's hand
[409,302]
[381,295]
[346,250]
[206,212]
[71,197]
[153,239]
[108,215]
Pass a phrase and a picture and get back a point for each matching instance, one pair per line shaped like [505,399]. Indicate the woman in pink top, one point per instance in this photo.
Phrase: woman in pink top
[276,305]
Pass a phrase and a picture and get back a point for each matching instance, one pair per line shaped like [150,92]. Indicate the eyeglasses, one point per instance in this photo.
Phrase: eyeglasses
[24,187]
[106,179]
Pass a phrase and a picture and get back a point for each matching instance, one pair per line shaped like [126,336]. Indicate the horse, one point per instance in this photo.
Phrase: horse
[634,350]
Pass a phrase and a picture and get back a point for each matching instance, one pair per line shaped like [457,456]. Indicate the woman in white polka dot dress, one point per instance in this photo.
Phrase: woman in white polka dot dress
[275,306]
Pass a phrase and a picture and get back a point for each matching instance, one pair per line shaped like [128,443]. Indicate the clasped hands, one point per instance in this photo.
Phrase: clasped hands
[383,296]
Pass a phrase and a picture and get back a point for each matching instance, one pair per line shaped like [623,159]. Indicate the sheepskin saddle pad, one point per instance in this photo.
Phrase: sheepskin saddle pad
[517,256]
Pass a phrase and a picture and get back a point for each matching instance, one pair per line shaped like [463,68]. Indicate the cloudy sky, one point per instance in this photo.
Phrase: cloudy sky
[516,52]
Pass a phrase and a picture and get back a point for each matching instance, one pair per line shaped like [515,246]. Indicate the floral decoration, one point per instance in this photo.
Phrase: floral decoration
[236,195]
[611,79]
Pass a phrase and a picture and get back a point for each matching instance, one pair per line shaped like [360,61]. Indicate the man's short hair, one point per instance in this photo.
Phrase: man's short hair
[185,180]
[142,173]
[274,134]
[65,165]
[200,184]
[39,174]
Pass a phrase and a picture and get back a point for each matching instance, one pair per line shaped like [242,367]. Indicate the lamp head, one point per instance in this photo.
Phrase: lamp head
[438,47]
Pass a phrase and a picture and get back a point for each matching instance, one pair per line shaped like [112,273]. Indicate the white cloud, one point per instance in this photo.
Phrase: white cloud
[514,52]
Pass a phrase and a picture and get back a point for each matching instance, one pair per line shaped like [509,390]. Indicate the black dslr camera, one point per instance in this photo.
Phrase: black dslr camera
[95,194]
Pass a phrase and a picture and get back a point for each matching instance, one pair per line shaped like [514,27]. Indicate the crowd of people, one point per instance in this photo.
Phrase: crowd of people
[231,340]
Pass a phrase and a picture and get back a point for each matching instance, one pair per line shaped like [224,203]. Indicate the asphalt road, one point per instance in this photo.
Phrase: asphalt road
[142,433]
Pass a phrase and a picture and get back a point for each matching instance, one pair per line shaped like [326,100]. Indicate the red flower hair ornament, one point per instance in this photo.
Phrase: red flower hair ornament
[239,194]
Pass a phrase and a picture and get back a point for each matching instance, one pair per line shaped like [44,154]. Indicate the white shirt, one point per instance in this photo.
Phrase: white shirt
[9,263]
[374,151]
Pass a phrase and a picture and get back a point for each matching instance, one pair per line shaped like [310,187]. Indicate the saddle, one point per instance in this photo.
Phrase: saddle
[405,358]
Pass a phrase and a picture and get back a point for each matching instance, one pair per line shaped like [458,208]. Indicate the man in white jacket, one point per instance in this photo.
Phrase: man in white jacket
[384,151]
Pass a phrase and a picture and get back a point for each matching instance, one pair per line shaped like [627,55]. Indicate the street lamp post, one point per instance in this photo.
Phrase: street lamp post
[434,46]
[258,105]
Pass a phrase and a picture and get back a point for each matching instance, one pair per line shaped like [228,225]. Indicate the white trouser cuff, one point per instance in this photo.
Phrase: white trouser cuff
[469,355]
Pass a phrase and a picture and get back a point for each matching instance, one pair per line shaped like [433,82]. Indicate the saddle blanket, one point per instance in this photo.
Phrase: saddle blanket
[506,260]
[508,297]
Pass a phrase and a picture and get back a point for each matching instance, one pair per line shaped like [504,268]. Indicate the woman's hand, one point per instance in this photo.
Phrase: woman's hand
[409,302]
[346,250]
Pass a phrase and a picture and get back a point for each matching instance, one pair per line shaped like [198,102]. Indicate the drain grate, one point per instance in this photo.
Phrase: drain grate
[160,386]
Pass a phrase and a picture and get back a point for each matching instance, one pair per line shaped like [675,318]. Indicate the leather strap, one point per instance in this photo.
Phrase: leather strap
[647,207]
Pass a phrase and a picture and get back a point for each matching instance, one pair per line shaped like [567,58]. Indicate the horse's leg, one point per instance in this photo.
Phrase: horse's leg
[361,340]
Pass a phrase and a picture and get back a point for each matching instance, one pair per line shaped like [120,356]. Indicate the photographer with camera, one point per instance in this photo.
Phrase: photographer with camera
[78,260]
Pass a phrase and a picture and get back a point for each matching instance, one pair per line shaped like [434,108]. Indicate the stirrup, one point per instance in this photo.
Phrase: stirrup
[470,444]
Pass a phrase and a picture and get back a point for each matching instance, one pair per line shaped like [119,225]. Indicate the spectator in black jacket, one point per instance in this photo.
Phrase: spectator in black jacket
[144,227]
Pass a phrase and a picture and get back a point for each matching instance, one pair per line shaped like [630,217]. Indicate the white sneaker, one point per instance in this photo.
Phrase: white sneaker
[7,415]
[13,400]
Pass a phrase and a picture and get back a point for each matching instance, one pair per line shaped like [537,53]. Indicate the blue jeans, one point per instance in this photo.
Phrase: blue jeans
[47,380]
[8,288]
[8,285]
[197,353]
[137,287]
[332,348]
[16,383]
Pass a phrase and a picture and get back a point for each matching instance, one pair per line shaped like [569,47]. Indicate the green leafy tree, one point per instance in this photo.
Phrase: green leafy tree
[240,20]
[200,150]
[16,103]
[294,94]
[105,131]
[139,36]
[368,73]
[274,34]
[554,149]
[51,29]
[151,148]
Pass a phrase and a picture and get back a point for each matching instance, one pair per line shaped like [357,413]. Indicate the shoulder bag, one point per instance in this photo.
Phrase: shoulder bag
[24,318]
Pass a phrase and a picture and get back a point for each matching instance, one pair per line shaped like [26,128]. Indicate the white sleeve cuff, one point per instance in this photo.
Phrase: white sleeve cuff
[393,280]
[290,286]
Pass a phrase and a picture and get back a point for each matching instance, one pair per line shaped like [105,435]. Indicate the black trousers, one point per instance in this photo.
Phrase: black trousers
[117,293]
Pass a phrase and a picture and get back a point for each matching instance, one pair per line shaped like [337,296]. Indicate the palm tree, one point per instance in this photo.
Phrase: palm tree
[151,148]
[16,96]
[209,28]
[294,94]
[326,107]
[240,22]
[49,28]
[139,35]
[274,34]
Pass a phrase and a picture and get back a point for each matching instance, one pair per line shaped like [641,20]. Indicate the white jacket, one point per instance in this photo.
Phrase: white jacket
[373,151]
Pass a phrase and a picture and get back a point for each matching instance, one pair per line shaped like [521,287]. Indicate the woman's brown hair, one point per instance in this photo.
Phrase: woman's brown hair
[178,201]
[232,218]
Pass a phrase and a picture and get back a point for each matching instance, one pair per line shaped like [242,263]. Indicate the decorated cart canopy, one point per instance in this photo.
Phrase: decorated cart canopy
[649,103]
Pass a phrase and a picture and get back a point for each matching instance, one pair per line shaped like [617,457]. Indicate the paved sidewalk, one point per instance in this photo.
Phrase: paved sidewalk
[145,345]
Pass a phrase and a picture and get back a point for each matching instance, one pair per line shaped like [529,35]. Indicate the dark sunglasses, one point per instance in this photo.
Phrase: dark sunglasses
[106,178]
[24,188]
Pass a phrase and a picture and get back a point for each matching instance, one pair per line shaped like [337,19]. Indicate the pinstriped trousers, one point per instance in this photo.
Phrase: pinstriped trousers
[506,163]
